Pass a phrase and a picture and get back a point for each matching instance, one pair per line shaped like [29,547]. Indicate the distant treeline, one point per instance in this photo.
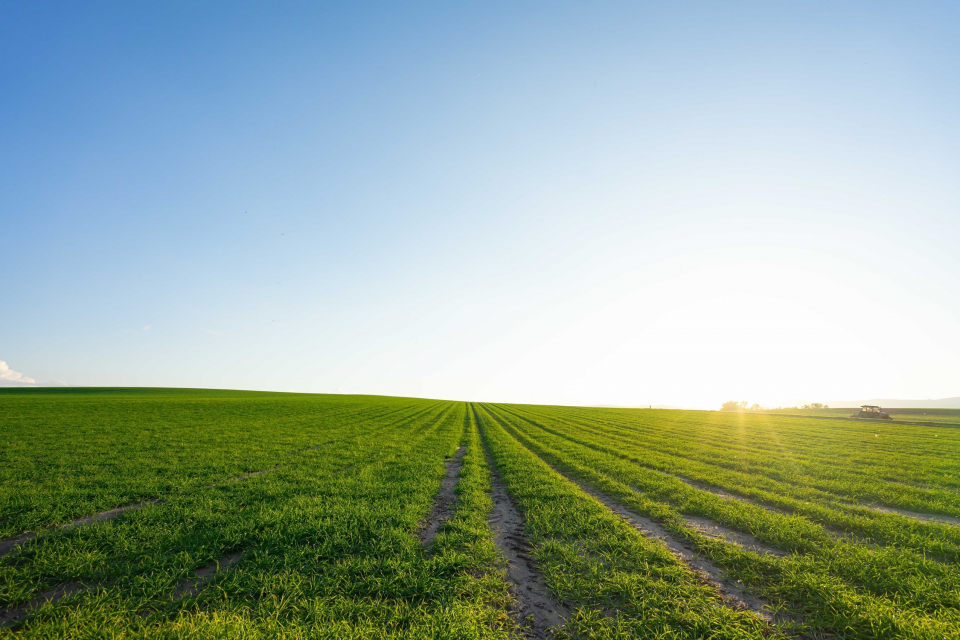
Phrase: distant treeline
[733,405]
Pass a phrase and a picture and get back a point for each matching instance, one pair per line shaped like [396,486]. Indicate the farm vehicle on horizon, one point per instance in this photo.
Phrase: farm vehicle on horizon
[872,411]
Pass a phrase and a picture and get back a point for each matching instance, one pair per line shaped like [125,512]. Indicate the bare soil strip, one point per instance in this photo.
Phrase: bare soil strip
[927,517]
[313,448]
[940,485]
[103,516]
[684,551]
[446,503]
[835,532]
[696,484]
[252,474]
[713,530]
[15,615]
[717,531]
[202,576]
[726,495]
[537,611]
[8,546]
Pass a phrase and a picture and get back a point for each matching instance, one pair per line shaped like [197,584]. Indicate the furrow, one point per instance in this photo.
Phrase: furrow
[925,517]
[834,531]
[704,525]
[12,545]
[8,545]
[682,550]
[252,474]
[446,502]
[537,612]
[110,514]
[724,493]
[829,527]
[777,478]
[712,530]
[204,575]
[313,448]
[15,615]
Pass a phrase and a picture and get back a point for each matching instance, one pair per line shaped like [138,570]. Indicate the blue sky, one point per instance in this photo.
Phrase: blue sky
[584,203]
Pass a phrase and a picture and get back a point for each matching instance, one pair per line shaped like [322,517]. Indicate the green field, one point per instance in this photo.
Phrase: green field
[925,416]
[156,513]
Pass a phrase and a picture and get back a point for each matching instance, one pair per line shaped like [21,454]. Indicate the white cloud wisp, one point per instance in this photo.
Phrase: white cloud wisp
[10,377]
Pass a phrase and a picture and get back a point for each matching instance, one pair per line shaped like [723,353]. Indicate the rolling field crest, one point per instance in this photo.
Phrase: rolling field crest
[168,513]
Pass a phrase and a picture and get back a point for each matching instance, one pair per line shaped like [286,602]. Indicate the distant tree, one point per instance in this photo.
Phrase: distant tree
[756,407]
[733,405]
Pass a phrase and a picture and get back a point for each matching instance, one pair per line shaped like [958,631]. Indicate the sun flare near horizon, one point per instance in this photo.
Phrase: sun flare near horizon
[762,332]
[480,320]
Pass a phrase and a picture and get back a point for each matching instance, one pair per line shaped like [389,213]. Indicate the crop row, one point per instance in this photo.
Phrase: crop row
[66,458]
[832,584]
[692,446]
[616,581]
[324,546]
[815,450]
[616,523]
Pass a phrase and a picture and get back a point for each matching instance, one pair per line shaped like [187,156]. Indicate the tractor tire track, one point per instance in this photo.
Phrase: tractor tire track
[11,545]
[704,525]
[682,550]
[715,531]
[17,614]
[204,575]
[537,612]
[445,504]
[915,515]
[186,588]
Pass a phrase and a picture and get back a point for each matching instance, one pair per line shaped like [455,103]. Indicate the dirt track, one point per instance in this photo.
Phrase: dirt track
[685,552]
[537,611]
[445,505]
[204,575]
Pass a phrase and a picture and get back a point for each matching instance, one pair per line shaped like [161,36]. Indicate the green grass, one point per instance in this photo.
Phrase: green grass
[927,416]
[328,537]
[621,582]
[850,570]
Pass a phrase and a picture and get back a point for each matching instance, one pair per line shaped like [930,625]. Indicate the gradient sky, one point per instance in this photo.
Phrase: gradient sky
[581,203]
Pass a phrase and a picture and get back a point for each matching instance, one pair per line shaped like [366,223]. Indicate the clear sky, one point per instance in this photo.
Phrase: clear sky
[584,203]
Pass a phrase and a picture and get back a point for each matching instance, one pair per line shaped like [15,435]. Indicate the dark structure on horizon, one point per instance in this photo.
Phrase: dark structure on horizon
[872,411]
